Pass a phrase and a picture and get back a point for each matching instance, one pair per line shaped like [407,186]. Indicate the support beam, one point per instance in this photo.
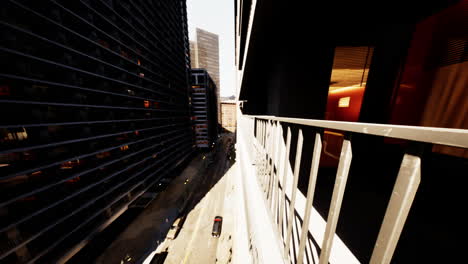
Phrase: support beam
[273,142]
[404,191]
[285,177]
[297,167]
[279,140]
[310,196]
[337,199]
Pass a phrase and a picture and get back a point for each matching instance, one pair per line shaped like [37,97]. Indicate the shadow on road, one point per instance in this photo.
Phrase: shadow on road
[118,244]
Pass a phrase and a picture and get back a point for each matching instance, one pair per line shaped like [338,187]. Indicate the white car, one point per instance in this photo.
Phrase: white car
[175,228]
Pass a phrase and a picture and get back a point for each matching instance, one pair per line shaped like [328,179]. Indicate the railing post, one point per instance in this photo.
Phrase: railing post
[297,166]
[310,196]
[273,157]
[276,178]
[337,198]
[268,156]
[404,191]
[262,152]
[255,138]
[255,141]
[256,126]
[285,176]
[268,147]
[264,133]
[259,135]
[260,131]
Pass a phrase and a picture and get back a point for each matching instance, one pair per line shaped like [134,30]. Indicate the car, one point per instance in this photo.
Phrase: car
[217,225]
[176,225]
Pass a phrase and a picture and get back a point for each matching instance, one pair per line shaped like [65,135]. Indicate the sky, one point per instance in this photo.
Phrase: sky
[216,16]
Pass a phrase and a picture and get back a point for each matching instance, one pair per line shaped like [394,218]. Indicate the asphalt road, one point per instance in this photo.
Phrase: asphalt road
[194,243]
[146,234]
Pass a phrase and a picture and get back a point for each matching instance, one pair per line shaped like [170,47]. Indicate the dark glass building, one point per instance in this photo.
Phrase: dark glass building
[94,111]
[204,108]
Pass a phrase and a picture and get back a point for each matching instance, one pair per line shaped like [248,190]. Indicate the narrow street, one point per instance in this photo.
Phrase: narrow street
[194,243]
[208,187]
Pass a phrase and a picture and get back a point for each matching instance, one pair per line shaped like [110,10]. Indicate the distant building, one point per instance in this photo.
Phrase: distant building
[228,115]
[227,98]
[205,54]
[204,108]
[194,54]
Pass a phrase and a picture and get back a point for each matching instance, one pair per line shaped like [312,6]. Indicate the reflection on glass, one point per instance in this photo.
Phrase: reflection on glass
[348,80]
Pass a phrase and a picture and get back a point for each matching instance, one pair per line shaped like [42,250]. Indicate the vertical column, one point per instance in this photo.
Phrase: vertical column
[263,133]
[404,191]
[310,196]
[273,148]
[267,156]
[277,162]
[264,154]
[297,167]
[337,198]
[261,150]
[282,199]
[257,136]
[270,157]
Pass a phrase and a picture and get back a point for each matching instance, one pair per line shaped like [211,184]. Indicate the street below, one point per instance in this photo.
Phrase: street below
[205,189]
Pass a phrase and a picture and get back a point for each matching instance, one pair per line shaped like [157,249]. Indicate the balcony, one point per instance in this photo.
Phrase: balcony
[287,220]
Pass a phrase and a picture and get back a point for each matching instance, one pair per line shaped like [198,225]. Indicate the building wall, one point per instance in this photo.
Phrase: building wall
[204,108]
[94,103]
[228,116]
[289,69]
[194,54]
[208,57]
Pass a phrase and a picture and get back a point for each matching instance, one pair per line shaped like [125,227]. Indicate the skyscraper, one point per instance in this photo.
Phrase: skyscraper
[205,54]
[204,108]
[97,99]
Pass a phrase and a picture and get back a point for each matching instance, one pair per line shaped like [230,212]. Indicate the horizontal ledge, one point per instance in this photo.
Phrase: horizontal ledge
[435,135]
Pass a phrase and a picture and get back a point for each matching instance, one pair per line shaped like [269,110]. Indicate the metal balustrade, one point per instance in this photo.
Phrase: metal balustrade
[265,135]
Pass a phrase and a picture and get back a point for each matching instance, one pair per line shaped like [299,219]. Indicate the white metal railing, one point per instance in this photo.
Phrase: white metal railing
[279,182]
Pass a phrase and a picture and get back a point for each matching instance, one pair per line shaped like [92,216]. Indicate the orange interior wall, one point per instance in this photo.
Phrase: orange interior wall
[350,113]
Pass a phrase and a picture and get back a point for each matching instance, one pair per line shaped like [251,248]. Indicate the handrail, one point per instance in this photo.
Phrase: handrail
[435,135]
[275,174]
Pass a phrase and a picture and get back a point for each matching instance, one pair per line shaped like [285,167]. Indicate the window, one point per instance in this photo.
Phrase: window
[348,80]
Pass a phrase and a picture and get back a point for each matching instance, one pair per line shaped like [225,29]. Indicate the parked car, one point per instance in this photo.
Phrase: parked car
[217,225]
[175,228]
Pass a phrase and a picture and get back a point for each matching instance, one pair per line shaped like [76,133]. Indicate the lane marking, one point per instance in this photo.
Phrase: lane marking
[197,226]
[207,197]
